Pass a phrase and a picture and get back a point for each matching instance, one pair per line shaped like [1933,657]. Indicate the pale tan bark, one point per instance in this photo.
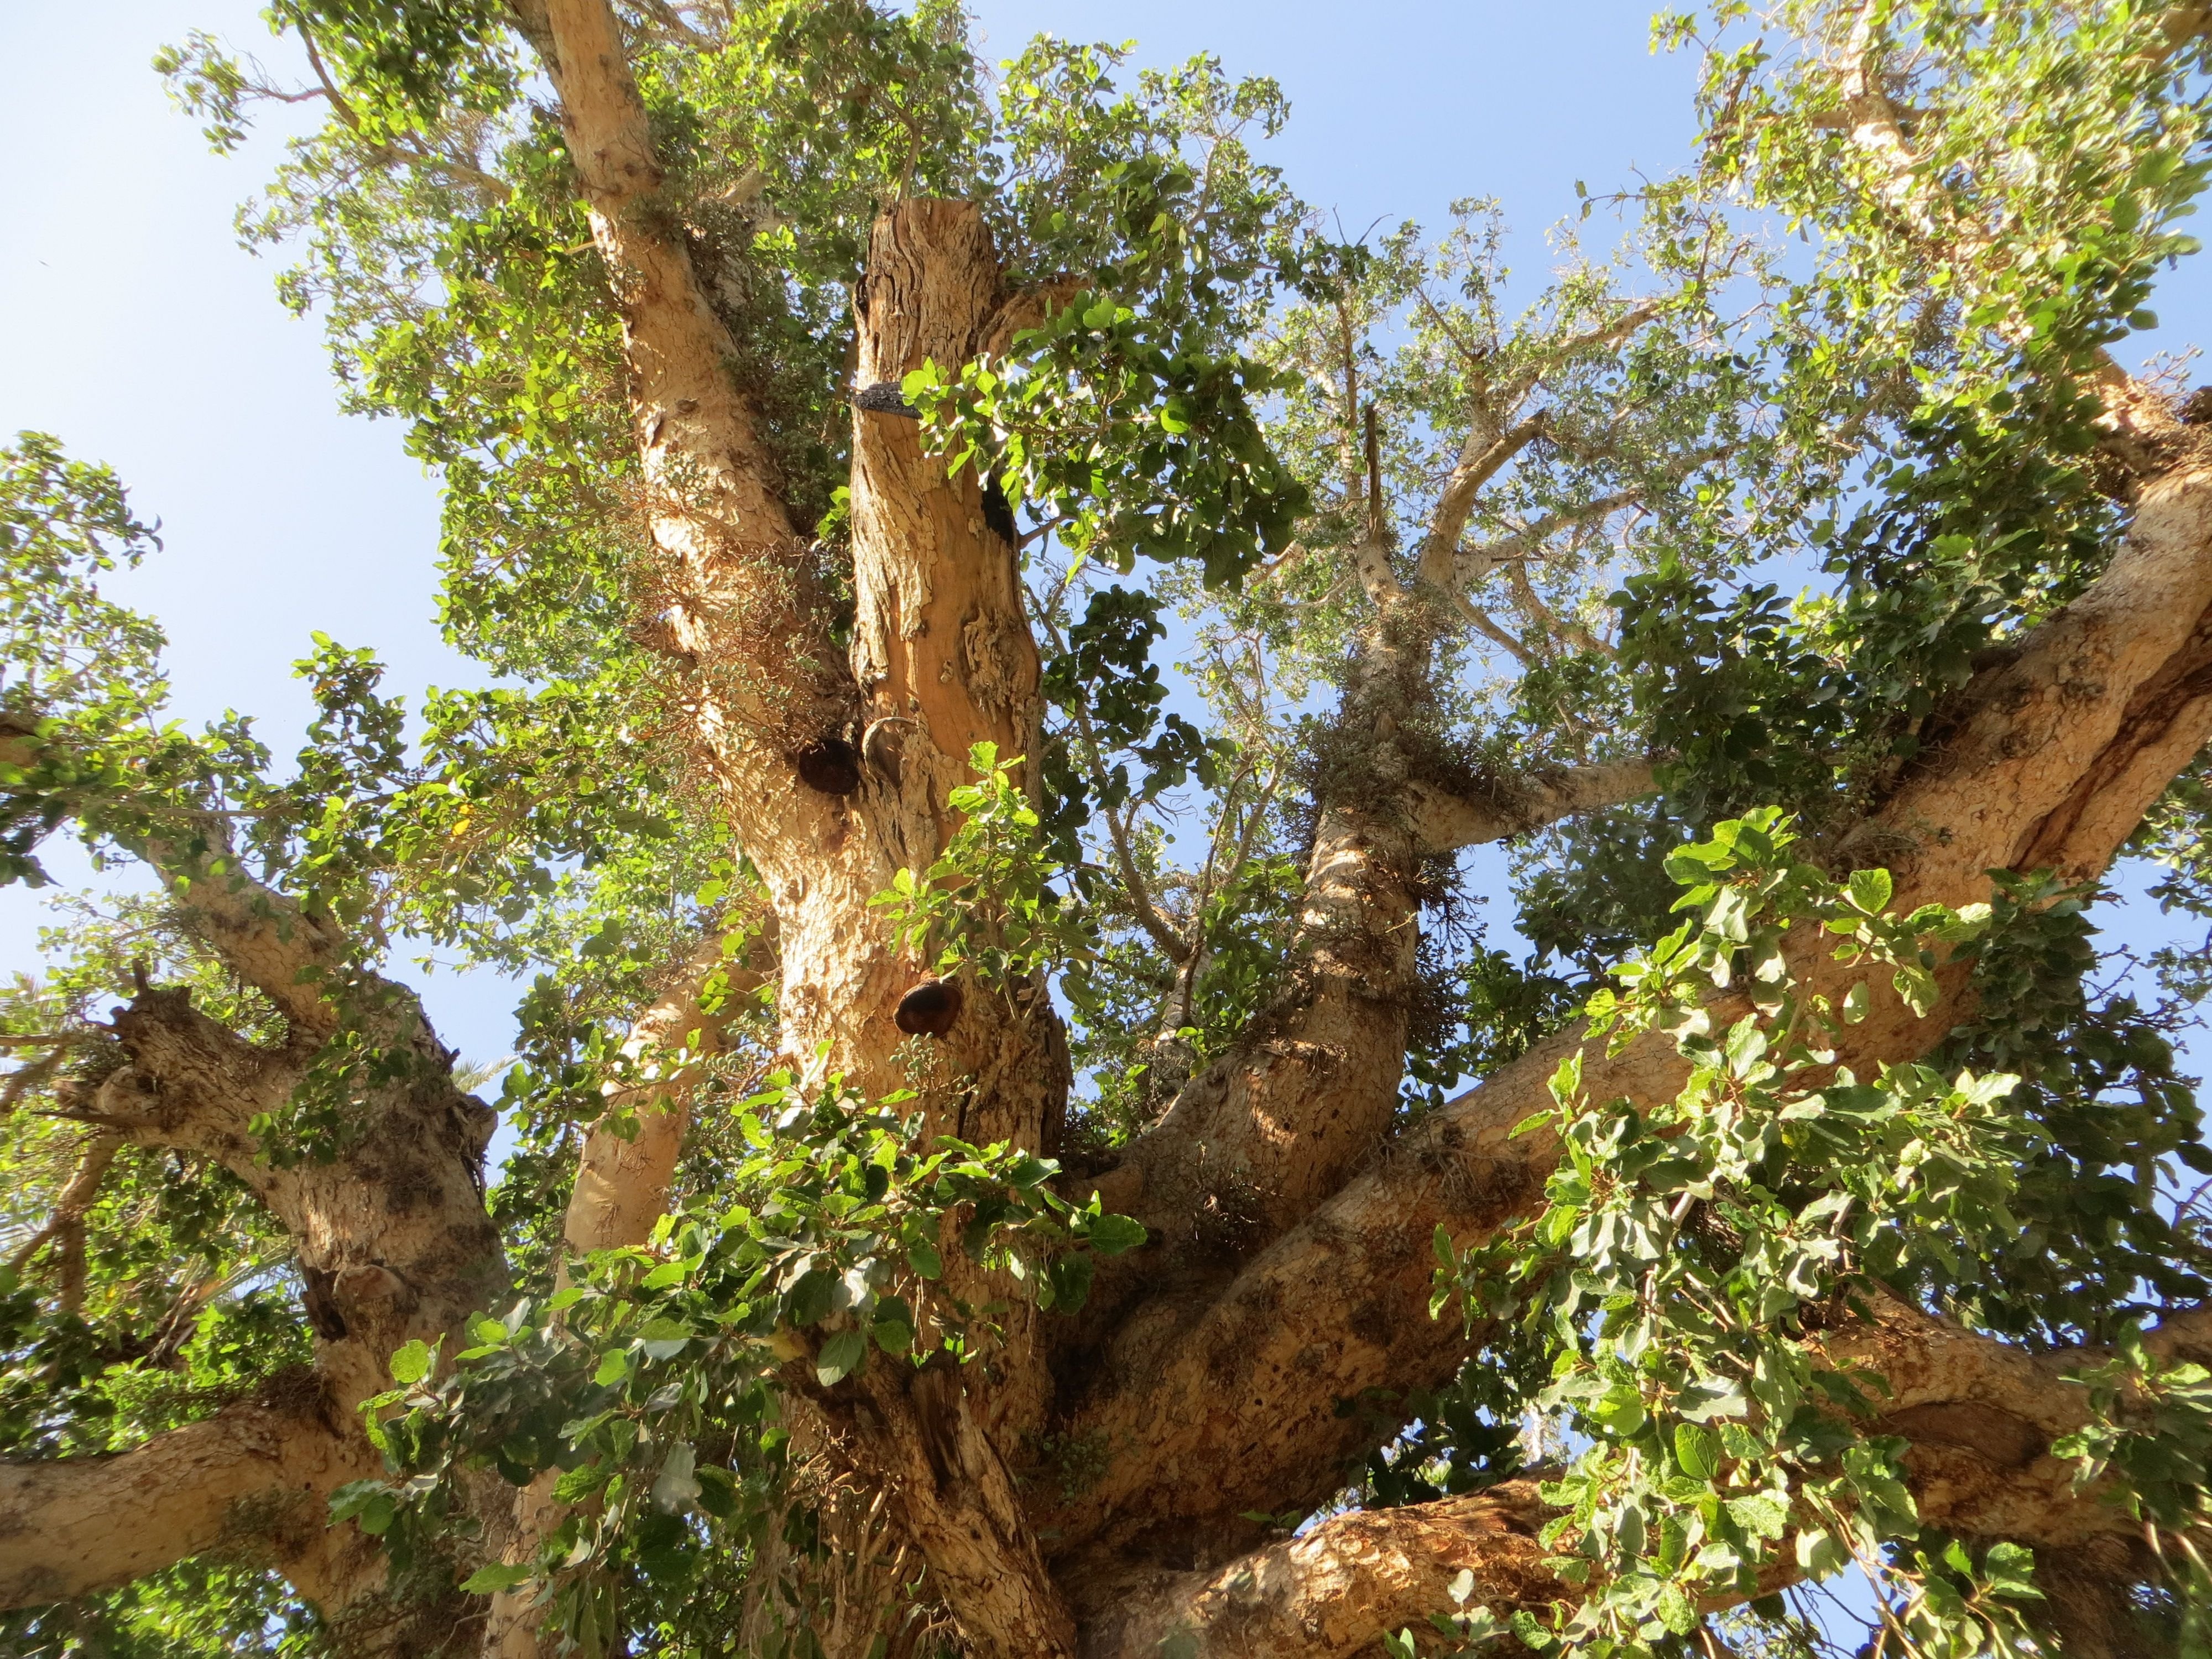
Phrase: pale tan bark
[1246,1379]
[255,1478]
[627,1163]
[1337,1590]
[942,647]
[767,686]
[1444,823]
[941,638]
[689,411]
[64,1229]
[624,1177]
[378,1274]
[1254,1143]
[1216,1392]
[390,1233]
[924,1435]
[943,655]
[1257,1138]
[1981,1417]
[290,954]
[1483,454]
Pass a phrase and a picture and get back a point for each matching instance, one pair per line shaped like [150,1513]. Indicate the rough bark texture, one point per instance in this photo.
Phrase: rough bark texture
[253,1479]
[624,1175]
[1981,1416]
[855,790]
[392,1244]
[628,1164]
[1289,1267]
[1247,1380]
[1329,1593]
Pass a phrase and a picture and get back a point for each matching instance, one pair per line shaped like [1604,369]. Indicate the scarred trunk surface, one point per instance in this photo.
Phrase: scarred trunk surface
[1218,1372]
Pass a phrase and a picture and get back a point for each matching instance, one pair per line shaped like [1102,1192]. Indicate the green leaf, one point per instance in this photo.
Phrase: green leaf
[1116,1235]
[840,1357]
[574,1485]
[808,1303]
[1760,1514]
[411,1363]
[1698,1450]
[497,1576]
[2010,1569]
[1820,1554]
[1871,890]
[370,1504]
[1070,1280]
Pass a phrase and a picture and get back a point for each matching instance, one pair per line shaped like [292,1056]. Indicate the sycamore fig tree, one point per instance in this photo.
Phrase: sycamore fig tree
[1004,636]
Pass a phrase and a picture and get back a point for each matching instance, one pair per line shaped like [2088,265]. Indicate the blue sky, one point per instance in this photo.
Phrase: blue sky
[140,333]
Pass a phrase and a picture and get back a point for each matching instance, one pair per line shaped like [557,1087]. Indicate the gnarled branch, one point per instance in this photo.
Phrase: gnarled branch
[2049,761]
[257,1475]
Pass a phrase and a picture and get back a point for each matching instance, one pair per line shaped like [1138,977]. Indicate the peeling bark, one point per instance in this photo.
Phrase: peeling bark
[1252,1145]
[832,790]
[1334,1592]
[394,1244]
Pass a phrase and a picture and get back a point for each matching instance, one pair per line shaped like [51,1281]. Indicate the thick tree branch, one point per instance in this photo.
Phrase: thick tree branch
[269,939]
[941,638]
[2116,688]
[1334,1592]
[1478,463]
[64,1228]
[1260,1136]
[1981,1417]
[290,955]
[629,1156]
[746,611]
[623,1177]
[1444,823]
[924,1433]
[376,1273]
[674,342]
[254,1477]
